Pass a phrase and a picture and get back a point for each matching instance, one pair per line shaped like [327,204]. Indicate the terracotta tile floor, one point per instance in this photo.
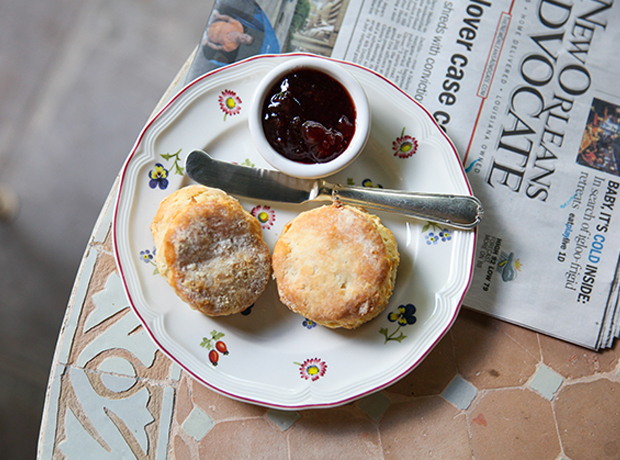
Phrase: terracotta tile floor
[78,80]
[488,391]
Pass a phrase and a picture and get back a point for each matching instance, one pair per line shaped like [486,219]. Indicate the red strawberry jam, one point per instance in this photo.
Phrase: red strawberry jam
[308,117]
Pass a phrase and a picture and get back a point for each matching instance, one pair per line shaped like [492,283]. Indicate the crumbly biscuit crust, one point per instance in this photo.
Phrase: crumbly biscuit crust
[336,265]
[210,250]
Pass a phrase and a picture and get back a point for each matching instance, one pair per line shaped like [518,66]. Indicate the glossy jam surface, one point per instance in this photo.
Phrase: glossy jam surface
[308,117]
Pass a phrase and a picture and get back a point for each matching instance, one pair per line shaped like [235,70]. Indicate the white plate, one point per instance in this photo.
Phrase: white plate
[274,358]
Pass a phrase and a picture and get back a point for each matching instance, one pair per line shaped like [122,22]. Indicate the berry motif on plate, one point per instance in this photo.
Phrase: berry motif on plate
[312,369]
[148,257]
[230,103]
[215,345]
[437,234]
[404,146]
[403,316]
[265,216]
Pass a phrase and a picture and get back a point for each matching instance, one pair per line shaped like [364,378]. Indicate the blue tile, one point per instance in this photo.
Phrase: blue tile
[165,421]
[374,405]
[284,419]
[546,382]
[198,424]
[104,438]
[460,392]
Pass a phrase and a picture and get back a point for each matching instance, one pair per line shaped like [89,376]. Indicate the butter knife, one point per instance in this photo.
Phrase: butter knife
[460,211]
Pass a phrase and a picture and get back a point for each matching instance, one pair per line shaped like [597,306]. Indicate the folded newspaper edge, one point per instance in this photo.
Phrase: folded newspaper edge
[523,91]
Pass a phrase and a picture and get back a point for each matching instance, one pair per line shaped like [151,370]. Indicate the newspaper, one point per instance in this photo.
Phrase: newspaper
[526,90]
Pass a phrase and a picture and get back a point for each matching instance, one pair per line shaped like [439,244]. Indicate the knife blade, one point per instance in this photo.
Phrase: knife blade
[460,211]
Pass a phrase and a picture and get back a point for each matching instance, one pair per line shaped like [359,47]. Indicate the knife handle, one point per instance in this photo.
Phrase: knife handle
[460,211]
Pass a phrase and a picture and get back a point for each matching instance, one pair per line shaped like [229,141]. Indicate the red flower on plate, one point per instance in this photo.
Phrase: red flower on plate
[230,103]
[265,215]
[312,369]
[405,146]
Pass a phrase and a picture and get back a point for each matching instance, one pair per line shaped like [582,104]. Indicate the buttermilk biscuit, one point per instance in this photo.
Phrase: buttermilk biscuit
[210,250]
[336,265]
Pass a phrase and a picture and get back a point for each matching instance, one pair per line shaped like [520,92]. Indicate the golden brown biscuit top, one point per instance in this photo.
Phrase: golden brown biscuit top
[210,250]
[333,265]
[177,202]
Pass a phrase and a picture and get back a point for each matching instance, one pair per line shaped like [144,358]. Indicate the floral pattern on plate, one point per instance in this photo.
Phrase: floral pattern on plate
[265,215]
[148,257]
[158,176]
[432,277]
[403,316]
[437,234]
[405,146]
[312,369]
[215,345]
[230,103]
[308,323]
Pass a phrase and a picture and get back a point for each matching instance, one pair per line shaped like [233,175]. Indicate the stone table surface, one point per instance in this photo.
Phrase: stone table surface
[488,390]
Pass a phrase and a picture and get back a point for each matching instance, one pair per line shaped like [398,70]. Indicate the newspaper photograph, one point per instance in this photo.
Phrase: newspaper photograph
[525,90]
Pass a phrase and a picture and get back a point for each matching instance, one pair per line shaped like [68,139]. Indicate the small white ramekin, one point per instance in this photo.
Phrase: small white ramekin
[362,118]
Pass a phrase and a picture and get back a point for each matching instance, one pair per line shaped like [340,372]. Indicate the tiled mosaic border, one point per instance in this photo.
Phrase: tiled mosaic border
[488,390]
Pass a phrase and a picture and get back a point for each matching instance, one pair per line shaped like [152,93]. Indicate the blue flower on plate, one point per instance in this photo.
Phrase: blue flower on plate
[308,323]
[158,177]
[147,256]
[432,238]
[445,235]
[404,315]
